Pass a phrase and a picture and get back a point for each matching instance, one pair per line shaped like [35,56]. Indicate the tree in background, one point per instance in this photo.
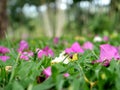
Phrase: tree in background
[17,17]
[3,18]
[115,12]
[54,19]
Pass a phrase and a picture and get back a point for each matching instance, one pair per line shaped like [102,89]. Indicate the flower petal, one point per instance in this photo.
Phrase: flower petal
[4,58]
[77,48]
[56,40]
[4,50]
[26,55]
[88,45]
[23,46]
[108,52]
[66,75]
[47,72]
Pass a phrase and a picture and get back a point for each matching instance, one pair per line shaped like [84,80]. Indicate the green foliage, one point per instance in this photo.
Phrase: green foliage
[24,73]
[101,23]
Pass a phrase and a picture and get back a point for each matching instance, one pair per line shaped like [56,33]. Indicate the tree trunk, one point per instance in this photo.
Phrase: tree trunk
[3,18]
[47,26]
[60,22]
[60,19]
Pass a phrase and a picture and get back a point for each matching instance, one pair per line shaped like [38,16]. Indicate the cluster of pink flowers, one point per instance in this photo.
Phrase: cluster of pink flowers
[26,53]
[76,48]
[24,50]
[3,51]
[107,53]
[45,52]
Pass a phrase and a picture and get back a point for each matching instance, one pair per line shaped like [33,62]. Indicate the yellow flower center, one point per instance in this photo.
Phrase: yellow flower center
[75,57]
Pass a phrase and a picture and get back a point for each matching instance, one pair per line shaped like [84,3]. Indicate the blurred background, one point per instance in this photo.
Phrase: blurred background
[56,18]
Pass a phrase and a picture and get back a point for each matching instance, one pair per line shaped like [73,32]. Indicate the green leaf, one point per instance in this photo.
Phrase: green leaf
[46,85]
[14,86]
[76,84]
[17,86]
[60,82]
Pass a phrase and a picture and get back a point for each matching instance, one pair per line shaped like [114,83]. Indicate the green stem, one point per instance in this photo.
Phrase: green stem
[14,67]
[86,79]
[84,76]
[81,69]
[95,54]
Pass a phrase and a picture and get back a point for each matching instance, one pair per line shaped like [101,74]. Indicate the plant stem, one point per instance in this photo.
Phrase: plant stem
[95,54]
[86,79]
[14,67]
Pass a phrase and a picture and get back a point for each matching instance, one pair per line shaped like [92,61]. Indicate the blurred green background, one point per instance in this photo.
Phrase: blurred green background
[56,18]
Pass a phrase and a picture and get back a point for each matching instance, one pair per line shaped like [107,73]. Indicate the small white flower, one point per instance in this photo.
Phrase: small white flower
[97,39]
[62,58]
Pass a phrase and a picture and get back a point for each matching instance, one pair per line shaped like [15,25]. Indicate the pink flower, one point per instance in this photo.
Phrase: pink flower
[66,75]
[26,55]
[68,50]
[4,58]
[48,51]
[88,45]
[47,72]
[56,40]
[45,51]
[41,53]
[4,50]
[23,46]
[75,48]
[105,38]
[107,53]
